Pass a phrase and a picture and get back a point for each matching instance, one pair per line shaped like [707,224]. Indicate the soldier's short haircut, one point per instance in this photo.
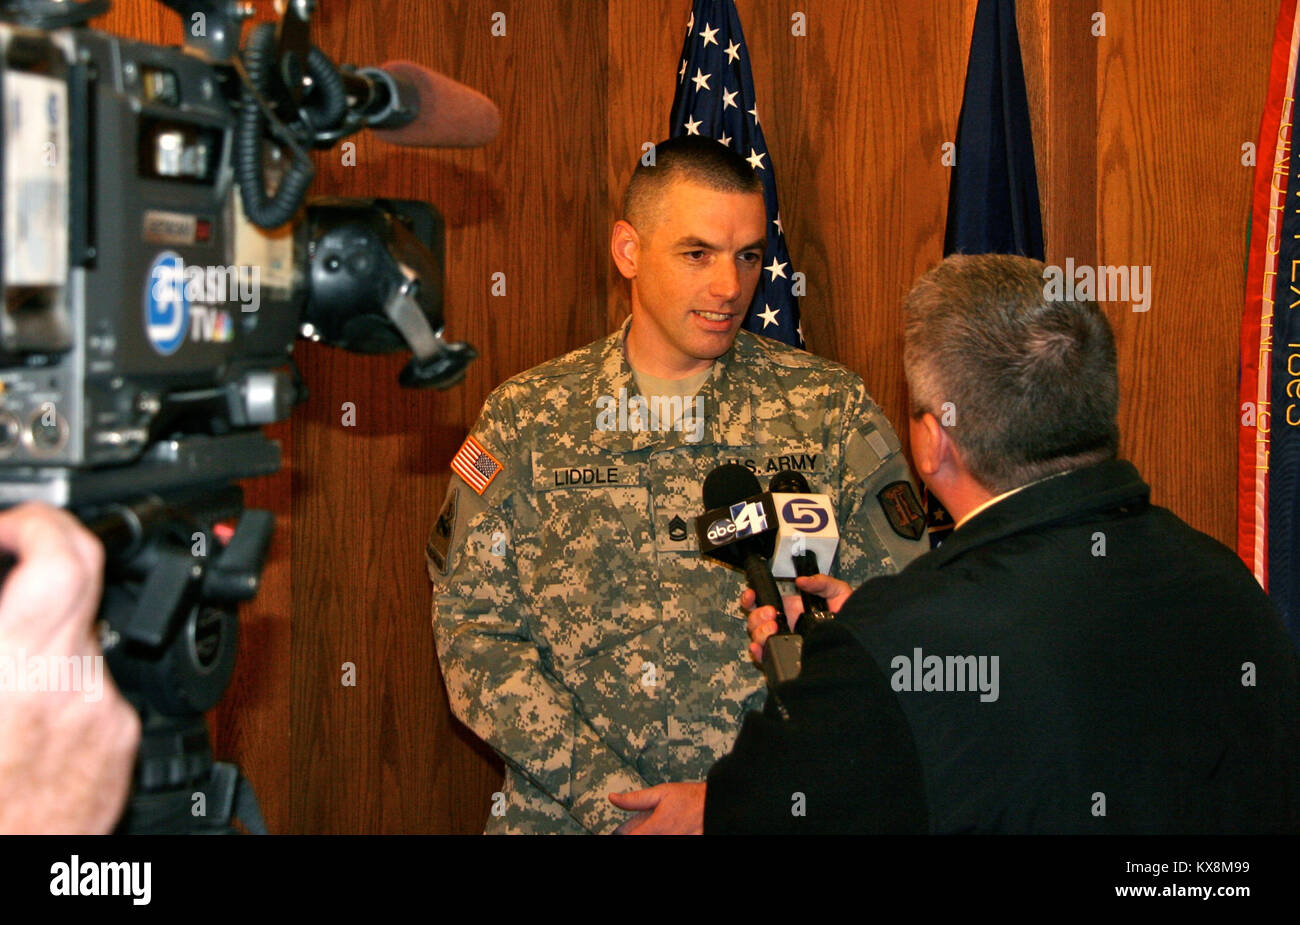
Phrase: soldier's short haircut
[1032,381]
[700,160]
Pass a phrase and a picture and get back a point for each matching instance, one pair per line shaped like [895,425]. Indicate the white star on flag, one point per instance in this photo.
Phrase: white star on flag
[708,35]
[776,269]
[701,80]
[682,72]
[754,112]
[729,98]
[768,315]
[733,51]
[690,25]
[777,222]
[725,139]
[692,126]
[755,159]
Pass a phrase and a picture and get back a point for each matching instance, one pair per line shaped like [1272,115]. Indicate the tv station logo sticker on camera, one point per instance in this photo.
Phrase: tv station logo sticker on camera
[181,300]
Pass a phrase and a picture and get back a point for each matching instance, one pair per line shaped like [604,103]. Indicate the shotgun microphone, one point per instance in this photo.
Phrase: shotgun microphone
[431,110]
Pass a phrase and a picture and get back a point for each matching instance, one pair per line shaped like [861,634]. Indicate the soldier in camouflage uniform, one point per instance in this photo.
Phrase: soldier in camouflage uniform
[580,631]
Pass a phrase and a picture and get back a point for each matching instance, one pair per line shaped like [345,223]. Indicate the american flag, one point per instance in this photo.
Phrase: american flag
[715,97]
[475,465]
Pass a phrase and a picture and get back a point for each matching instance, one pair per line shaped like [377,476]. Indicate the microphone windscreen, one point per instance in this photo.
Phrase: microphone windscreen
[728,484]
[789,482]
[449,115]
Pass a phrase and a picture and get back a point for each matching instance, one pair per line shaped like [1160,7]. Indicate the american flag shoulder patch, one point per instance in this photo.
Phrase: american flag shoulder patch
[475,465]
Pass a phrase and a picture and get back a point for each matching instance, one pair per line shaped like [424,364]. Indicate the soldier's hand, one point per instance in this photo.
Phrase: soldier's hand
[665,809]
[65,755]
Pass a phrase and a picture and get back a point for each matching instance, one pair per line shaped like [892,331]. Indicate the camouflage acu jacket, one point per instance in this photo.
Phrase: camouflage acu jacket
[581,633]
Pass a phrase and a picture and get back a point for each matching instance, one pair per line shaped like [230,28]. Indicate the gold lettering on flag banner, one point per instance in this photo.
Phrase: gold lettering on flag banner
[1259,554]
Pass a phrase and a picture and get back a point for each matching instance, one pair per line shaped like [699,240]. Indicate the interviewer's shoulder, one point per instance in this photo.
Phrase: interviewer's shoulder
[1204,564]
[916,590]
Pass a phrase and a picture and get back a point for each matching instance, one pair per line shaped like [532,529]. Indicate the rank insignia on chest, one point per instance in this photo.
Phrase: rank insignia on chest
[903,509]
[677,529]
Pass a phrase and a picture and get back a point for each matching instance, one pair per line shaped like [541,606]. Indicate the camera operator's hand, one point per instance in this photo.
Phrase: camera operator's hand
[65,755]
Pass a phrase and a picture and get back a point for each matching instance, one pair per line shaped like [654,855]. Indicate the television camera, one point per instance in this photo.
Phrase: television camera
[159,259]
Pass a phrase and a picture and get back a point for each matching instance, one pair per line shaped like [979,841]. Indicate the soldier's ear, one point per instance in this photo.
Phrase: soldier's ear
[625,245]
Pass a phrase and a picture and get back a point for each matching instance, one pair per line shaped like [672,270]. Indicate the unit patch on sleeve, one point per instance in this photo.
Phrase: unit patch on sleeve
[903,509]
[440,538]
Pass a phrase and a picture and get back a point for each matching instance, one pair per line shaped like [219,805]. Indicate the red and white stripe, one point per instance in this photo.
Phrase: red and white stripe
[475,465]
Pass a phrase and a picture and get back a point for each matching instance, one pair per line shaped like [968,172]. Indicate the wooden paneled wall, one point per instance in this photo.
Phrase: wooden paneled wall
[1139,135]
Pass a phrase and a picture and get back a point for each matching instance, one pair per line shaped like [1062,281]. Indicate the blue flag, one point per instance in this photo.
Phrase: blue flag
[993,198]
[715,98]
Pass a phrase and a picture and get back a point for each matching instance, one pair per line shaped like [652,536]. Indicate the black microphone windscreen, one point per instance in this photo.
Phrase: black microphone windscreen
[789,482]
[728,484]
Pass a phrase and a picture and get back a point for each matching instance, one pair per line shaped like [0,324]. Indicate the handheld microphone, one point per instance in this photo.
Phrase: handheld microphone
[806,528]
[430,110]
[739,528]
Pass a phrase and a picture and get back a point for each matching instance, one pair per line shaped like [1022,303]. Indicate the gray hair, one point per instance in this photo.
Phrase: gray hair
[1026,386]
